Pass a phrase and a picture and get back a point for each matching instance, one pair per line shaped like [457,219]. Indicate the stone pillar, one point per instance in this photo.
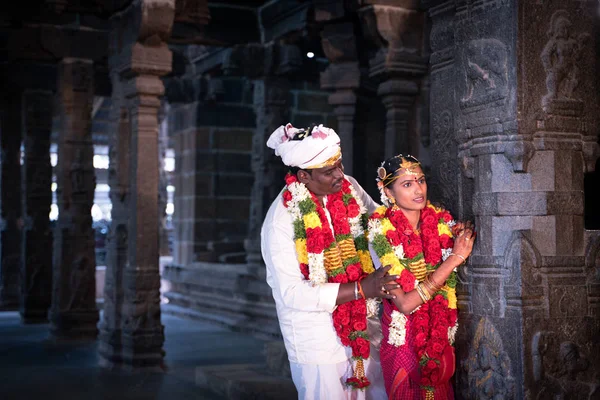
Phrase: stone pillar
[141,334]
[343,77]
[74,314]
[36,245]
[399,65]
[525,107]
[109,346]
[10,202]
[271,108]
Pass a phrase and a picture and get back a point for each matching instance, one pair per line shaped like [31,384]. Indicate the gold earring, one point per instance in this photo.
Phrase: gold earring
[392,200]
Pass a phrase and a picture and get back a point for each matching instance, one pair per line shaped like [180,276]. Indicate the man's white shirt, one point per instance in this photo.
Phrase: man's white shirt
[304,310]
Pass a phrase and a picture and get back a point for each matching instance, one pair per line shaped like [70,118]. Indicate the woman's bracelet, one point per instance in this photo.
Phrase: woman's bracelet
[356,290]
[459,256]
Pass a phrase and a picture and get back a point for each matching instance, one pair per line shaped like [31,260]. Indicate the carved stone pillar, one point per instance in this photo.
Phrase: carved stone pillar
[10,202]
[36,245]
[525,101]
[271,108]
[109,346]
[399,65]
[148,25]
[74,314]
[343,77]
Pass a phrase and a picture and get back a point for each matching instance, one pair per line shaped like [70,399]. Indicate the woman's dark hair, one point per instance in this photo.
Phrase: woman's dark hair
[388,170]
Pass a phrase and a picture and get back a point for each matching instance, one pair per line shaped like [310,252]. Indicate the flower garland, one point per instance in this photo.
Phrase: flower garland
[412,256]
[340,256]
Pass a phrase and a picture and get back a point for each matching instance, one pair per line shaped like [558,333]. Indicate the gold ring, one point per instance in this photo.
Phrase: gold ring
[383,288]
[467,238]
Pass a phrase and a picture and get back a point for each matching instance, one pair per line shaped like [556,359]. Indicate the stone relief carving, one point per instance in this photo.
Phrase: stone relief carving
[559,369]
[485,63]
[560,59]
[488,366]
[522,277]
[81,284]
[446,168]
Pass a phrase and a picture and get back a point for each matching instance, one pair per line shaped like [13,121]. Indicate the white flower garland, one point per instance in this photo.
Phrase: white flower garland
[373,307]
[397,336]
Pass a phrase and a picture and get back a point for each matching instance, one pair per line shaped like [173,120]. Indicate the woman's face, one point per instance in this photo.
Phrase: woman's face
[409,190]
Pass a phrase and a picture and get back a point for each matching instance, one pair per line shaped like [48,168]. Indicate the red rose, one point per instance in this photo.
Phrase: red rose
[427,232]
[437,349]
[431,364]
[446,216]
[353,210]
[407,281]
[412,250]
[339,278]
[393,237]
[429,219]
[446,241]
[360,307]
[305,271]
[353,271]
[343,316]
[314,240]
[425,381]
[289,179]
[420,339]
[287,196]
[360,325]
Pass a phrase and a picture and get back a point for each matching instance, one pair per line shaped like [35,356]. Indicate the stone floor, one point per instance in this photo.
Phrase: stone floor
[33,368]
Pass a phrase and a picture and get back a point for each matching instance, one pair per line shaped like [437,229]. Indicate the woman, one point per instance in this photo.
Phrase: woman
[424,246]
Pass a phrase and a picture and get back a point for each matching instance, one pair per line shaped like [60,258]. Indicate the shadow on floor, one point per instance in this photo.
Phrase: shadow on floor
[31,367]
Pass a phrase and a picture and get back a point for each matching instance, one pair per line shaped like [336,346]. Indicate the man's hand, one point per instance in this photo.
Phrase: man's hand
[379,283]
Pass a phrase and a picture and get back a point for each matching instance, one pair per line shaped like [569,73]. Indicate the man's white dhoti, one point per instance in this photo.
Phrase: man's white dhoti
[327,381]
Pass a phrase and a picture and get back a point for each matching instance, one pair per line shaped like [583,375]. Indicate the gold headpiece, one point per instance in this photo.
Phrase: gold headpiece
[329,162]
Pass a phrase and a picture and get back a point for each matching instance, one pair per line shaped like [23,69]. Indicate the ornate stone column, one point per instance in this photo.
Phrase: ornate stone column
[36,245]
[529,312]
[343,77]
[399,65]
[10,201]
[109,346]
[74,314]
[148,25]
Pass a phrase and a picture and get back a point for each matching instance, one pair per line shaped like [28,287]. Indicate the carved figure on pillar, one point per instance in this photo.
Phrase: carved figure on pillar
[74,314]
[560,58]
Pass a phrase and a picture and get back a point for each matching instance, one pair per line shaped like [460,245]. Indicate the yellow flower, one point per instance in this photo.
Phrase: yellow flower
[311,220]
[365,261]
[386,225]
[437,209]
[391,259]
[444,229]
[380,210]
[301,251]
[451,293]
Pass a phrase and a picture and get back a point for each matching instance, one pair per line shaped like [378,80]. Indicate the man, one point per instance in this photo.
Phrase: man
[311,309]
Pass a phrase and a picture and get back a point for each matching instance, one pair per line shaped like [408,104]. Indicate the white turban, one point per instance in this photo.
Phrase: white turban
[320,149]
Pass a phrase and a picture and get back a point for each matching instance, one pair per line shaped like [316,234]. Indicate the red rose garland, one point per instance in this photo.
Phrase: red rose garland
[430,323]
[349,319]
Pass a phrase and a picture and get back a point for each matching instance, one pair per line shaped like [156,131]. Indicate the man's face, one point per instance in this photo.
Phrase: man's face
[323,181]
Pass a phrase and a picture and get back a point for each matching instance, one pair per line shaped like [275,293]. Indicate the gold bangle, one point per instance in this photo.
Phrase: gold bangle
[421,294]
[434,286]
[433,281]
[425,291]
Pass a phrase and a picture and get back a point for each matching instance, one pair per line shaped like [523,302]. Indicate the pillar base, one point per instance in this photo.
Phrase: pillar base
[144,349]
[34,316]
[69,326]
